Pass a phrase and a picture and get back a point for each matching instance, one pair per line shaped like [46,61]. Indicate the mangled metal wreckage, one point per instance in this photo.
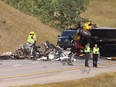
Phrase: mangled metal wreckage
[104,37]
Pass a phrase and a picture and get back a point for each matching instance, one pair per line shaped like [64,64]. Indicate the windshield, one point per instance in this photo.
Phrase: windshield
[68,33]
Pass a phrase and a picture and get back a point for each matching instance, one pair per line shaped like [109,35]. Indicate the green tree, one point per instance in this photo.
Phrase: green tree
[61,13]
[57,13]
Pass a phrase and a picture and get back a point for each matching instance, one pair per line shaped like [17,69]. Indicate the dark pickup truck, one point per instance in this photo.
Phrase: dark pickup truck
[65,39]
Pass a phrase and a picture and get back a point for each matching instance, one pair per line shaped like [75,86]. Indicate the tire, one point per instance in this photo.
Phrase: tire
[19,53]
[85,33]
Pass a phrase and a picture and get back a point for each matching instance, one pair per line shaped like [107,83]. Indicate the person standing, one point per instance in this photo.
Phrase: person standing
[87,54]
[31,41]
[96,55]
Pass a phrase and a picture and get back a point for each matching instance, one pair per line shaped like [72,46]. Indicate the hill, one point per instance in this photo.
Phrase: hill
[15,27]
[102,12]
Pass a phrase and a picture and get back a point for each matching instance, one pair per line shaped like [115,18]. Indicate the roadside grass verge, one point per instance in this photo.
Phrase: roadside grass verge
[102,80]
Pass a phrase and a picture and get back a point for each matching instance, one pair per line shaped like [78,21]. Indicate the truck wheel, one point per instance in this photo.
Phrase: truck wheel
[85,33]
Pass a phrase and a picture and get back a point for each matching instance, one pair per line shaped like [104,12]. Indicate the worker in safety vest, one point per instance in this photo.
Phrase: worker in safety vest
[31,41]
[31,38]
[96,55]
[87,54]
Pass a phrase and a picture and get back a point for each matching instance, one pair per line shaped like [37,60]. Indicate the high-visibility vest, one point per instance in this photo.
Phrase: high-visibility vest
[30,39]
[87,50]
[95,50]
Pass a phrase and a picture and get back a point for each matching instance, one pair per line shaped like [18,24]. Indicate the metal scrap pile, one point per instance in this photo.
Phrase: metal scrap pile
[23,52]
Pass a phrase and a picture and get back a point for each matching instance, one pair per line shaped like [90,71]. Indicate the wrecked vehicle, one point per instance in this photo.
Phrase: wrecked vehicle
[103,36]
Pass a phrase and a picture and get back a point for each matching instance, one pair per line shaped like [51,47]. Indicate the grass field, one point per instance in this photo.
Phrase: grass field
[103,80]
[102,12]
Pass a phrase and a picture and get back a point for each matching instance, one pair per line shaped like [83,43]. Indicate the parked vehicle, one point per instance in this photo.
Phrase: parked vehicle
[66,38]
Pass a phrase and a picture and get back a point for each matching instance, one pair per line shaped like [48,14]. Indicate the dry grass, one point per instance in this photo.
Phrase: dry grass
[102,12]
[103,80]
[18,25]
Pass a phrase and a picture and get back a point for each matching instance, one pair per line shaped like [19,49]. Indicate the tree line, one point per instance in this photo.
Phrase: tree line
[60,14]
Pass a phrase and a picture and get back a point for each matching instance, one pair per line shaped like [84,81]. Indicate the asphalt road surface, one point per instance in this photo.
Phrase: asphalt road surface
[27,72]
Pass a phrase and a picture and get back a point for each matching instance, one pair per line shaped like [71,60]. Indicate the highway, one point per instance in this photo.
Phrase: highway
[27,72]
